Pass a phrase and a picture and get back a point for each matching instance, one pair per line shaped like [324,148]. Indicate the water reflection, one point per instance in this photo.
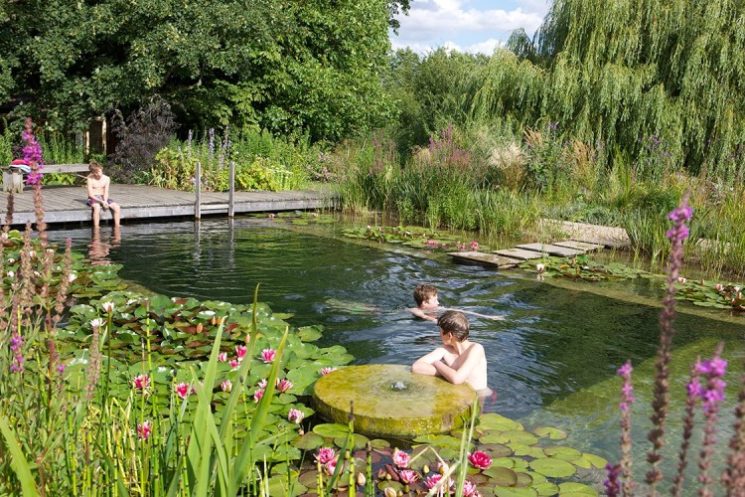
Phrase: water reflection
[99,248]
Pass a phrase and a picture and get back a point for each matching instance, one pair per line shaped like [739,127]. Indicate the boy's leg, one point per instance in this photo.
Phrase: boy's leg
[116,210]
[96,214]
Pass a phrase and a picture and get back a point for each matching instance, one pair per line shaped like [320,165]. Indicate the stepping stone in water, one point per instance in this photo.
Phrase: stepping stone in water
[492,260]
[551,249]
[574,244]
[517,253]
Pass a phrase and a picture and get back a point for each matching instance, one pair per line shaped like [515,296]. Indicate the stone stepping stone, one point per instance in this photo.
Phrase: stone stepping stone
[518,253]
[484,259]
[551,249]
[574,244]
[391,401]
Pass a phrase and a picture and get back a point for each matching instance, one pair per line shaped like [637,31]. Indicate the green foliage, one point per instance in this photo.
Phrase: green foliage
[284,65]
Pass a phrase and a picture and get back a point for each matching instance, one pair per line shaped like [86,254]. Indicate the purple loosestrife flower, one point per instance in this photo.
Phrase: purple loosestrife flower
[612,486]
[16,346]
[677,235]
[627,398]
[712,397]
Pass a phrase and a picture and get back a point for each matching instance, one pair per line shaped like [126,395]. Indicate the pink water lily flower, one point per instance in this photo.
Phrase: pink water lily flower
[183,390]
[144,430]
[141,382]
[283,385]
[268,355]
[222,357]
[262,383]
[325,454]
[258,394]
[240,351]
[469,489]
[226,386]
[234,364]
[408,476]
[400,458]
[295,416]
[327,370]
[480,460]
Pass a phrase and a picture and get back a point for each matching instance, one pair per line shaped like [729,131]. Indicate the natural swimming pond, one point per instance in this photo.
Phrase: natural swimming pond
[552,361]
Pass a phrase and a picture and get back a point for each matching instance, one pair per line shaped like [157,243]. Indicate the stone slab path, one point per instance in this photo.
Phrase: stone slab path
[551,249]
[484,259]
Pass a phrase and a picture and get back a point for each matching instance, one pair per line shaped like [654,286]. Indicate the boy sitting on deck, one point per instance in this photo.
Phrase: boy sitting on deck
[97,184]
[459,360]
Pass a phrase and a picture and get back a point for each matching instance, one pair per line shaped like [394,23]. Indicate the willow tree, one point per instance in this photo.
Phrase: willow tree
[625,72]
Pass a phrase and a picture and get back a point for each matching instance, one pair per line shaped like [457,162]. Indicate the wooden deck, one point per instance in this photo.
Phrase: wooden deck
[67,204]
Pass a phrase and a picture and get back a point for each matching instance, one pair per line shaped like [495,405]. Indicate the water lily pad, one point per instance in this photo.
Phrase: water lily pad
[358,441]
[494,437]
[577,489]
[565,453]
[526,450]
[523,480]
[331,430]
[552,467]
[504,462]
[494,421]
[379,443]
[503,477]
[309,333]
[550,432]
[514,492]
[309,441]
[596,461]
[496,450]
[546,489]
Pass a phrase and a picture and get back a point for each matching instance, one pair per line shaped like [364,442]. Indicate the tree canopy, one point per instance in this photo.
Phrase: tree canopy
[311,66]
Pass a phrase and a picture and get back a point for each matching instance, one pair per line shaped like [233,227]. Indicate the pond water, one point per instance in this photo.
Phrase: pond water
[552,361]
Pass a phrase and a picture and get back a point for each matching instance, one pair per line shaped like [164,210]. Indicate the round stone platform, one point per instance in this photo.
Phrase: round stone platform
[390,400]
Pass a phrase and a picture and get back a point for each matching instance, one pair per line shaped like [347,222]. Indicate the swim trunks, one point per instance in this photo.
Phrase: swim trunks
[90,200]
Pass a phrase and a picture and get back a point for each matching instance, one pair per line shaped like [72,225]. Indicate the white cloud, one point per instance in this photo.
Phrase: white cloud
[453,23]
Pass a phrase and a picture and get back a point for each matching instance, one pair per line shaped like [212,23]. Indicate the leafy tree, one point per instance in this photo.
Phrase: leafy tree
[311,66]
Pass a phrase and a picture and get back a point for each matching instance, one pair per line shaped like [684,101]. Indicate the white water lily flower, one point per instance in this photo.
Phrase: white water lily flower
[72,277]
[208,313]
[11,274]
[97,323]
[540,267]
[108,307]
[11,260]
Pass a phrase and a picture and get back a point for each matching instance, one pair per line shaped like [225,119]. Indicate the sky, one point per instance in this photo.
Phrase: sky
[476,26]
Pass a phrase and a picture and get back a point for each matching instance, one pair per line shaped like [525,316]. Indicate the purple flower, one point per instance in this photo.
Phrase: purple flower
[694,388]
[612,485]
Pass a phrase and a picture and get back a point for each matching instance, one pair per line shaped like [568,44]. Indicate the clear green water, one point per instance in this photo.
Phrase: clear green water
[552,361]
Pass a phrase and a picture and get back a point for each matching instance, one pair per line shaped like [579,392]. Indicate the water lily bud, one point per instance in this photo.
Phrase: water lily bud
[540,267]
[214,320]
[388,477]
[389,492]
[682,280]
[199,327]
[361,480]
[425,469]
[443,468]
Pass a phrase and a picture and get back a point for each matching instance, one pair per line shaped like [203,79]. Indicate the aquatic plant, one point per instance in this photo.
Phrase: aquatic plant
[705,387]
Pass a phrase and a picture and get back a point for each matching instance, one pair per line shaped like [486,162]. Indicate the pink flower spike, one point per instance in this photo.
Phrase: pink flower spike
[240,351]
[283,385]
[480,460]
[400,458]
[141,382]
[295,416]
[183,390]
[268,355]
[325,454]
[144,430]
[222,357]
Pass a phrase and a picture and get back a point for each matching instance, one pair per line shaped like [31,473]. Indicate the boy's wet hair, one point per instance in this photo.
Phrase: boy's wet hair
[455,323]
[93,166]
[424,292]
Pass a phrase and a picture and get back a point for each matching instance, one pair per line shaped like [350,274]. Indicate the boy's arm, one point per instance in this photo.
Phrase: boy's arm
[495,317]
[420,314]
[424,365]
[106,183]
[460,375]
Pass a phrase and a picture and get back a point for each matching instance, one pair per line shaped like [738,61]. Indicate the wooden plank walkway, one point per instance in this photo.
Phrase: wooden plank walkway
[509,258]
[66,204]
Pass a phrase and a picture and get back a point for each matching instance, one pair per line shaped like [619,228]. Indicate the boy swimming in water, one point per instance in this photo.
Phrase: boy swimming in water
[459,360]
[428,305]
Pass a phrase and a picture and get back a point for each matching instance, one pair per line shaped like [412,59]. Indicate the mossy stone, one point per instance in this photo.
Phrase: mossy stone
[390,400]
